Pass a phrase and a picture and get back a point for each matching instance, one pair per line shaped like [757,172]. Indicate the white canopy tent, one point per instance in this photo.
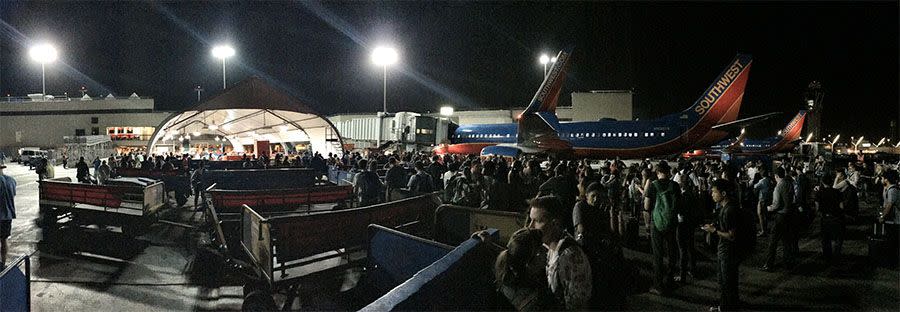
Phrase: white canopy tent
[248,112]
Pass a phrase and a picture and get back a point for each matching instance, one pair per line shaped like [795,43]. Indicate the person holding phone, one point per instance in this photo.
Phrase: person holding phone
[727,254]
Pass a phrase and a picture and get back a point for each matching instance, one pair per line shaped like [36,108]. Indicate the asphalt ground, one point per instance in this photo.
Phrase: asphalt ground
[102,270]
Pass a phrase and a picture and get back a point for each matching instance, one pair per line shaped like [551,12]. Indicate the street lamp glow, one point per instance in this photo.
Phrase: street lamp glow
[447,111]
[544,59]
[43,53]
[213,126]
[223,52]
[384,56]
[553,59]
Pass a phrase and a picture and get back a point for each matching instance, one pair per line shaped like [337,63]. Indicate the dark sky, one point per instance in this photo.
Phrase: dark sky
[468,54]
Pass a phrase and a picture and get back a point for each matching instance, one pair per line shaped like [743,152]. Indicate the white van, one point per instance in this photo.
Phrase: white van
[27,154]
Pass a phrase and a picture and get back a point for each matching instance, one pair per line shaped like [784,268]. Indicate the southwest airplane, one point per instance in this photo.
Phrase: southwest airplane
[538,129]
[783,142]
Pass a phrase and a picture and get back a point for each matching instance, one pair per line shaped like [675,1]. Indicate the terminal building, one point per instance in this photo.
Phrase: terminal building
[127,124]
[122,124]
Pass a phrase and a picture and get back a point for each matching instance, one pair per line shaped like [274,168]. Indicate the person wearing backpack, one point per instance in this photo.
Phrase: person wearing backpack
[727,229]
[421,182]
[661,200]
[367,185]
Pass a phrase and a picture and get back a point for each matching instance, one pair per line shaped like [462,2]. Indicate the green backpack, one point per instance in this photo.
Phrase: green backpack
[664,213]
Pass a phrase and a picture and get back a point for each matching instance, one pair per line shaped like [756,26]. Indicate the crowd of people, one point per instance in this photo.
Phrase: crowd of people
[581,213]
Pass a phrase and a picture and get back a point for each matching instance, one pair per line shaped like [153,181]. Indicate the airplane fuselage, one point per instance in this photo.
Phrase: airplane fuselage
[604,138]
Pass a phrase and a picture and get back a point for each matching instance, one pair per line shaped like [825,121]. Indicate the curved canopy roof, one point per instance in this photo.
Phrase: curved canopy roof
[250,111]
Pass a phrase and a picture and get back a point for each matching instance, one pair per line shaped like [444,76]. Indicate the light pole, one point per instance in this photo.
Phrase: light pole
[198,89]
[43,53]
[223,52]
[383,56]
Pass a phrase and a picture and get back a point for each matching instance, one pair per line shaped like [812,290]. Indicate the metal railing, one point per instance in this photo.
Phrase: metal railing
[37,98]
[16,281]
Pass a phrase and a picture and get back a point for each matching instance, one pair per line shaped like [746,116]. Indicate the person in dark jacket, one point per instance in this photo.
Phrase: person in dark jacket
[828,205]
[421,182]
[82,171]
[395,178]
[725,229]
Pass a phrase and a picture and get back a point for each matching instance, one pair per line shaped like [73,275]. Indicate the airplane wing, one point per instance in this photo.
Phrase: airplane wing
[739,124]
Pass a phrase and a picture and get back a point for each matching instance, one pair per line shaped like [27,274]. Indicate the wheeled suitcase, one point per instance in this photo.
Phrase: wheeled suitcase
[881,253]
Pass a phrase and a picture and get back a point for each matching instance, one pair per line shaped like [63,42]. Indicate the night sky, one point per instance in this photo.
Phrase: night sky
[468,54]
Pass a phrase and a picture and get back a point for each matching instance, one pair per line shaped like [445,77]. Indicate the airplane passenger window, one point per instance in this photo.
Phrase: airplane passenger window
[662,134]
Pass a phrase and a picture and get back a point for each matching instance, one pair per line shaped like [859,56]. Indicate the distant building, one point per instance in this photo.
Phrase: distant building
[586,106]
[46,123]
[594,105]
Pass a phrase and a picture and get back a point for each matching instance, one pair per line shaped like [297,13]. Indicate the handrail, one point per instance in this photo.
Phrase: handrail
[23,259]
[15,263]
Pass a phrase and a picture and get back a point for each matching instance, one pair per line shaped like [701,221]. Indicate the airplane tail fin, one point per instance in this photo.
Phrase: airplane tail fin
[794,128]
[538,125]
[547,96]
[721,101]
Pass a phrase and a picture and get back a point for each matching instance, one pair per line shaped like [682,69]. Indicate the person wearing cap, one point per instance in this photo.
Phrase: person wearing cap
[7,212]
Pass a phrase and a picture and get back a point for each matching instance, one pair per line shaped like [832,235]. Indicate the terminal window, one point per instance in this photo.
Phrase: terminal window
[79,132]
[95,131]
[95,120]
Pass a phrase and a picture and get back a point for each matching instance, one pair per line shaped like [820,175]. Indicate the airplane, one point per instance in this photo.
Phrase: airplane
[783,142]
[538,129]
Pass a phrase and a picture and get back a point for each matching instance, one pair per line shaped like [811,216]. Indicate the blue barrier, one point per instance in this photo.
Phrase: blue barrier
[461,280]
[15,288]
[394,256]
[339,177]
[255,179]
